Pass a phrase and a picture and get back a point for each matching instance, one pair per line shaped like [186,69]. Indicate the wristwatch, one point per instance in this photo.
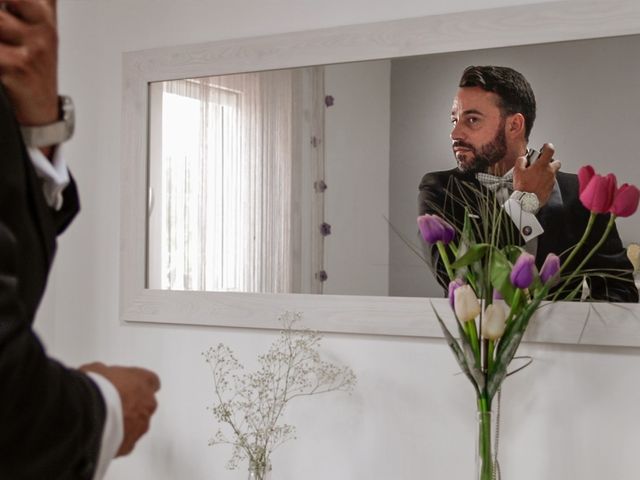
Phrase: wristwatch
[53,133]
[528,201]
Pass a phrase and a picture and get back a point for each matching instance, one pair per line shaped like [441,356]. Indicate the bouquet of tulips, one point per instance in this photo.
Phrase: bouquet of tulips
[495,288]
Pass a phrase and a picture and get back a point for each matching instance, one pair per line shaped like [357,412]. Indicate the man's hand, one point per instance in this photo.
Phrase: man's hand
[29,59]
[137,388]
[539,177]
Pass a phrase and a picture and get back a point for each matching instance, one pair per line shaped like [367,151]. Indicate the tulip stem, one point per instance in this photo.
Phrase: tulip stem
[585,235]
[514,304]
[445,259]
[484,441]
[470,328]
[605,235]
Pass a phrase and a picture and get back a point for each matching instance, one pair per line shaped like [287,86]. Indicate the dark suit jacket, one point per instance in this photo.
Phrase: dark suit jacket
[51,417]
[564,224]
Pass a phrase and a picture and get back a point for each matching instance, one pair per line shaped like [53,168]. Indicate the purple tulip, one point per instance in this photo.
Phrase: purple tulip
[435,229]
[550,267]
[497,295]
[522,272]
[453,286]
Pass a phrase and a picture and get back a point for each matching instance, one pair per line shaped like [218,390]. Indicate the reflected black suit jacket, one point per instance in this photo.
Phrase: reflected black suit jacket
[51,417]
[563,226]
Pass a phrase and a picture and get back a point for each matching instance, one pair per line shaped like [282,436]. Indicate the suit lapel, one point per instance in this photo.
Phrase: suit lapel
[20,183]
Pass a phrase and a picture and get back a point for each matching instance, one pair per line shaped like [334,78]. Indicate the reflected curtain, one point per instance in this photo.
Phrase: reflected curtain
[228,183]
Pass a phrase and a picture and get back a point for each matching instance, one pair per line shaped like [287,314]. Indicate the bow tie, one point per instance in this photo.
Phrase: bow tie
[494,183]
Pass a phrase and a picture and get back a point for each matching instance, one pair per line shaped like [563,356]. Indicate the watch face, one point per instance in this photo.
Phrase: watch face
[529,202]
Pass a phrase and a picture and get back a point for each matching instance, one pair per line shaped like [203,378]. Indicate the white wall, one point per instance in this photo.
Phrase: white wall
[572,414]
[357,174]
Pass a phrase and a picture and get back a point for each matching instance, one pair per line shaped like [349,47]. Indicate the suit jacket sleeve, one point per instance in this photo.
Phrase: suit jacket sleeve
[609,271]
[431,200]
[51,417]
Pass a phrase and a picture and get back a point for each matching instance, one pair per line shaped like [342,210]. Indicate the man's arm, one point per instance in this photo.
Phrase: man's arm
[28,73]
[29,61]
[51,416]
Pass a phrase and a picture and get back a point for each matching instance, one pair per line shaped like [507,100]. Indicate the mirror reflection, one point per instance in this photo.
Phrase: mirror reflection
[283,181]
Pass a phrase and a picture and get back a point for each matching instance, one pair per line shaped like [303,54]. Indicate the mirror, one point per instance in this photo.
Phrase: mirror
[302,167]
[556,21]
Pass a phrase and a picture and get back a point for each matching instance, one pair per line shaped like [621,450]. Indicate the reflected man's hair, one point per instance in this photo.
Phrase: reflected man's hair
[514,91]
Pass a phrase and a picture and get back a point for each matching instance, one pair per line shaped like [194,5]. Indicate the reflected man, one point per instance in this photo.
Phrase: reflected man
[492,117]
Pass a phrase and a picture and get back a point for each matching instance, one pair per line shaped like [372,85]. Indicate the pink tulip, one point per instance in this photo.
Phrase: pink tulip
[585,174]
[598,195]
[625,202]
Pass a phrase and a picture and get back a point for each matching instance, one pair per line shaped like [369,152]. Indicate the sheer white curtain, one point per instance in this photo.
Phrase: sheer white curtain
[224,197]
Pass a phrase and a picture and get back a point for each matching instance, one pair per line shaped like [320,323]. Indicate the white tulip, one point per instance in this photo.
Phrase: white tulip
[493,322]
[466,304]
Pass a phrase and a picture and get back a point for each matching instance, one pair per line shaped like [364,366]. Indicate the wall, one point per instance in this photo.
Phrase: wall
[586,95]
[357,175]
[572,414]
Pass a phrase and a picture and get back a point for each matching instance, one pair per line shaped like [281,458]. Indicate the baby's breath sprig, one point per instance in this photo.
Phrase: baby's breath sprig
[251,404]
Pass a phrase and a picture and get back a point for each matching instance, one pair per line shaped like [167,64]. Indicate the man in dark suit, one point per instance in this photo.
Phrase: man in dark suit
[492,116]
[55,422]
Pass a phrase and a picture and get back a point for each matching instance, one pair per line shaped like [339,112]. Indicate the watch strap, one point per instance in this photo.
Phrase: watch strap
[53,133]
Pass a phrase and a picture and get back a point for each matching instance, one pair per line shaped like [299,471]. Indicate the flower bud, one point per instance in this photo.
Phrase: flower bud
[466,304]
[522,271]
[435,229]
[633,253]
[550,268]
[625,201]
[453,286]
[493,322]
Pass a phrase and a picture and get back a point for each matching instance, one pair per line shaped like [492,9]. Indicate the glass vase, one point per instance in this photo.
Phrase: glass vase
[259,471]
[486,464]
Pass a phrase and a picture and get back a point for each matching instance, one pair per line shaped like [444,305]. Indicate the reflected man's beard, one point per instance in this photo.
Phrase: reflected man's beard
[489,154]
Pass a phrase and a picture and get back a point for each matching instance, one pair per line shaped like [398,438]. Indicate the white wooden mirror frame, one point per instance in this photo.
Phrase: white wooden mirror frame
[568,323]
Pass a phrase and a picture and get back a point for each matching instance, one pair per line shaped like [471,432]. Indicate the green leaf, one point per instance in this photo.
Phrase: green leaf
[468,368]
[499,371]
[509,344]
[467,236]
[500,272]
[472,255]
[512,252]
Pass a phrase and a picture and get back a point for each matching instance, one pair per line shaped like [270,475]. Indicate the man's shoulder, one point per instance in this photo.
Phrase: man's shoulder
[568,183]
[438,179]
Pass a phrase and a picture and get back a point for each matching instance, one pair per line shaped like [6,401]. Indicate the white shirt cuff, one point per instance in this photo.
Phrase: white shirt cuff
[527,223]
[54,175]
[113,431]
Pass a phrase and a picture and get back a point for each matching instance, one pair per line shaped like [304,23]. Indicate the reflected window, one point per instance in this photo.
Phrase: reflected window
[225,183]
